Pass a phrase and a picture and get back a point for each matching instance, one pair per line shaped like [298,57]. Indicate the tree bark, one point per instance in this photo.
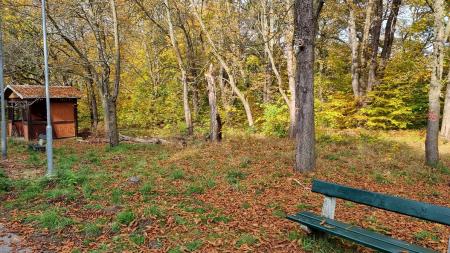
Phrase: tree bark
[112,131]
[181,65]
[389,33]
[92,103]
[354,45]
[305,30]
[445,128]
[376,30]
[432,137]
[290,68]
[365,35]
[214,127]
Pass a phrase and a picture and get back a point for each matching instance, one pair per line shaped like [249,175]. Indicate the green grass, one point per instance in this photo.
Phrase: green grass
[176,174]
[125,217]
[5,182]
[195,188]
[154,211]
[92,230]
[247,239]
[52,220]
[116,196]
[234,176]
[146,189]
[137,238]
[194,245]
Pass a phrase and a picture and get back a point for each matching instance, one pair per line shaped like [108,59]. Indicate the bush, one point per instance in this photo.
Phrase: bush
[275,120]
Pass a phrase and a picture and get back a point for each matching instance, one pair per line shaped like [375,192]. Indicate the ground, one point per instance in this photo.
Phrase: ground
[228,197]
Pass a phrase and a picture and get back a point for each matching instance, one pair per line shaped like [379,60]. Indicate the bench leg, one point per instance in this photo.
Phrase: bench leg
[306,229]
[448,247]
[329,205]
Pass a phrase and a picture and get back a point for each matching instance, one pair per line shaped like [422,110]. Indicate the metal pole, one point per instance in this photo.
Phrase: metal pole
[2,97]
[49,132]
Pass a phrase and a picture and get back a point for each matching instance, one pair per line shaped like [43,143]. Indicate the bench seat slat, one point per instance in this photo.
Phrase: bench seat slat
[438,214]
[367,238]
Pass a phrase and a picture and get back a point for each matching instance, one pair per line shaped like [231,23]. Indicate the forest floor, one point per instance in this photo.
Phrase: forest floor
[228,197]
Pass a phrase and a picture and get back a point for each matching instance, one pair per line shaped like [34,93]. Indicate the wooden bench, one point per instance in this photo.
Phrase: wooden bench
[325,222]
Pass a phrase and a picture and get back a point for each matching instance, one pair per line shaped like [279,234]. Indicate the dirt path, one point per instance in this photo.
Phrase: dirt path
[10,242]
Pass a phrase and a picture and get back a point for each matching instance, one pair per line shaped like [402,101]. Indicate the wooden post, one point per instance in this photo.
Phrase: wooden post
[329,205]
[29,123]
[22,112]
[75,115]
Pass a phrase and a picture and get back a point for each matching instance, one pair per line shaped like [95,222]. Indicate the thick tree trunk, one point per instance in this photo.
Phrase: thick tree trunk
[354,45]
[389,32]
[373,64]
[181,65]
[111,129]
[432,137]
[214,127]
[305,30]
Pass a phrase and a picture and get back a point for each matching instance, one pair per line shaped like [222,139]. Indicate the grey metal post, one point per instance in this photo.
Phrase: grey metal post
[49,131]
[2,97]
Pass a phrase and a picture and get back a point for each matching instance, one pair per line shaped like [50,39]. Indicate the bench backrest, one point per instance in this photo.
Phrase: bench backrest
[438,214]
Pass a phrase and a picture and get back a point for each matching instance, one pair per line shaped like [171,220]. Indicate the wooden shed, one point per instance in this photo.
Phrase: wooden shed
[27,114]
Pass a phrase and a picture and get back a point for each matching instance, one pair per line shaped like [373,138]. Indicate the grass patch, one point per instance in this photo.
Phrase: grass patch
[234,176]
[125,217]
[154,211]
[247,239]
[194,245]
[51,220]
[137,238]
[92,230]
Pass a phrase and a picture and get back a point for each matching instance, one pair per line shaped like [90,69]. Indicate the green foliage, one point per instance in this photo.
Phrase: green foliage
[401,100]
[275,119]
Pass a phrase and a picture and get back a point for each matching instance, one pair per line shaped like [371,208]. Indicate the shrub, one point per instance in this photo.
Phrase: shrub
[275,120]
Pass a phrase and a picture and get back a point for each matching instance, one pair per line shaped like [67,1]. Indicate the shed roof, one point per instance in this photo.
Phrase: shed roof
[38,91]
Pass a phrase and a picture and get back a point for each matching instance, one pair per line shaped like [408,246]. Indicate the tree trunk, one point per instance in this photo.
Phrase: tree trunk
[354,45]
[373,64]
[214,128]
[173,40]
[445,128]
[432,137]
[290,67]
[305,30]
[92,100]
[112,132]
[389,33]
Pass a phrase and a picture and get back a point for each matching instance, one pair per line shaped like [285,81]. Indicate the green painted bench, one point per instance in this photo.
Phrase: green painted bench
[327,224]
